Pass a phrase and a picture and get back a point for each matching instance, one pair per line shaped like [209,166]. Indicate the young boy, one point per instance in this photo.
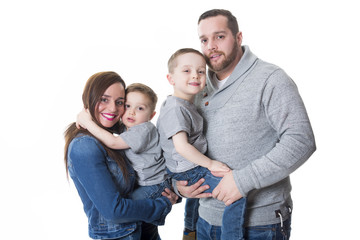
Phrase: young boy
[141,140]
[181,137]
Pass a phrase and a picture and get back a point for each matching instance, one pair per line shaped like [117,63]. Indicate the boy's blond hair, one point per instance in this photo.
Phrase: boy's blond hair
[172,63]
[146,90]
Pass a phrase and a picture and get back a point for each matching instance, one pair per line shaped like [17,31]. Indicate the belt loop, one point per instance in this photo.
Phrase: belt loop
[289,209]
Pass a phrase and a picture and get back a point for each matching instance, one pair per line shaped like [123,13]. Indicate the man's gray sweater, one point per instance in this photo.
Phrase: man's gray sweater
[257,124]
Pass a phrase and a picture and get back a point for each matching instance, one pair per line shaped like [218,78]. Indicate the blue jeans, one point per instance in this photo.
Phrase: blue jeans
[150,192]
[191,213]
[148,230]
[205,231]
[233,217]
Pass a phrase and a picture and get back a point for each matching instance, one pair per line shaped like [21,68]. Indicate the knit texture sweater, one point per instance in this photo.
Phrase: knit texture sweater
[258,125]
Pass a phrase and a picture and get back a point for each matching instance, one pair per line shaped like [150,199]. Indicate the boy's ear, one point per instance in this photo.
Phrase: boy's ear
[169,78]
[152,115]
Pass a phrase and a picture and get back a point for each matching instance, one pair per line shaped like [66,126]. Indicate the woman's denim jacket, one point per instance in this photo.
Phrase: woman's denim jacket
[104,192]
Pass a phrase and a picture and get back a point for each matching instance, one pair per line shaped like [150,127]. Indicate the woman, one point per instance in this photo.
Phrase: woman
[103,177]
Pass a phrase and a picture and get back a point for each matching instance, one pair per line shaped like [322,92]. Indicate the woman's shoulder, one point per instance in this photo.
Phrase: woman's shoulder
[86,143]
[84,138]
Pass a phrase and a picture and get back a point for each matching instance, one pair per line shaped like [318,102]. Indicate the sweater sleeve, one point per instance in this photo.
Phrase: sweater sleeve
[286,114]
[90,168]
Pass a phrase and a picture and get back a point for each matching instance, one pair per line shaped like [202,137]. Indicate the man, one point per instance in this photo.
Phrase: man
[256,123]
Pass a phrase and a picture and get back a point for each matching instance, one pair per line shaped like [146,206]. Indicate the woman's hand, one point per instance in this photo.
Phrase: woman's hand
[83,118]
[193,191]
[170,195]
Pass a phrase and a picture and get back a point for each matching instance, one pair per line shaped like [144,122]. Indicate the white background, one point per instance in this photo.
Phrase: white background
[48,49]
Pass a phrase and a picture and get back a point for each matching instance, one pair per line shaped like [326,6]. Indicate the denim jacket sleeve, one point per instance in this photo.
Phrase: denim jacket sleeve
[88,159]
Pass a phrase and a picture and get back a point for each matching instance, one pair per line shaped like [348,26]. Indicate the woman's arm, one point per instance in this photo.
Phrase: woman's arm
[190,153]
[115,142]
[90,168]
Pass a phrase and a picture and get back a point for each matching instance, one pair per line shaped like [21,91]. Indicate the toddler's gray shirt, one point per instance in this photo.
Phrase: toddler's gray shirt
[145,153]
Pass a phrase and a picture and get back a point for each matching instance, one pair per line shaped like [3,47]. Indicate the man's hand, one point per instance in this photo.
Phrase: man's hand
[193,191]
[227,190]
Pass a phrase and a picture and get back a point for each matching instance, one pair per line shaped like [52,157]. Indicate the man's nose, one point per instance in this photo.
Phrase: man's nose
[211,45]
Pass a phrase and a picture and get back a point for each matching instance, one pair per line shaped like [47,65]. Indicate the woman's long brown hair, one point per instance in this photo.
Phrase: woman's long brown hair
[94,89]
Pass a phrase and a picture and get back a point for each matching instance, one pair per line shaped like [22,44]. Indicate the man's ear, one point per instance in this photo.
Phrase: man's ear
[239,38]
[169,78]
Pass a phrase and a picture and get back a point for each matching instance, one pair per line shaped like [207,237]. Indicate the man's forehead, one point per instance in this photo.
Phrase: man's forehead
[213,26]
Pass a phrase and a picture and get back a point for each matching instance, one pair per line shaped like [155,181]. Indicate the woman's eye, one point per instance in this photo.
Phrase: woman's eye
[104,99]
[119,103]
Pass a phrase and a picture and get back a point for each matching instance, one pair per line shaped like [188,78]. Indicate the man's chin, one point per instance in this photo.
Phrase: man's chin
[215,68]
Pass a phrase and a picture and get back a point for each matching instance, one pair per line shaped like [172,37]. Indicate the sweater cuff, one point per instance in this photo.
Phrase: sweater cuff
[243,181]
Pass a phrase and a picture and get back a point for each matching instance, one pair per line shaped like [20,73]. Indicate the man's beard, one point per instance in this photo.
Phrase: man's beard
[224,64]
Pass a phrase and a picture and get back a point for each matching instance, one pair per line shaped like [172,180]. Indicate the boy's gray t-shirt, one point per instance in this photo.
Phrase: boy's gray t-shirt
[178,115]
[145,153]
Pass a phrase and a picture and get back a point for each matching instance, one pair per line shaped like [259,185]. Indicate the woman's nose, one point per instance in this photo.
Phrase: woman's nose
[112,106]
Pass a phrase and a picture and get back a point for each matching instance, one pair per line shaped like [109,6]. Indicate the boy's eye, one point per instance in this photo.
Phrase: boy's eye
[220,37]
[141,108]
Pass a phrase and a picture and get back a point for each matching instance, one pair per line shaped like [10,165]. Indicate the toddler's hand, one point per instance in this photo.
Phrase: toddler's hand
[216,166]
[83,119]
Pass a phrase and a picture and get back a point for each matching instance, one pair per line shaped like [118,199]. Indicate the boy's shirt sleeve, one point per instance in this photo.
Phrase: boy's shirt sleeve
[176,120]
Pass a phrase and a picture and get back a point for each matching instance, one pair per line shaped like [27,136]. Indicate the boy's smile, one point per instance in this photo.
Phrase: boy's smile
[189,76]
